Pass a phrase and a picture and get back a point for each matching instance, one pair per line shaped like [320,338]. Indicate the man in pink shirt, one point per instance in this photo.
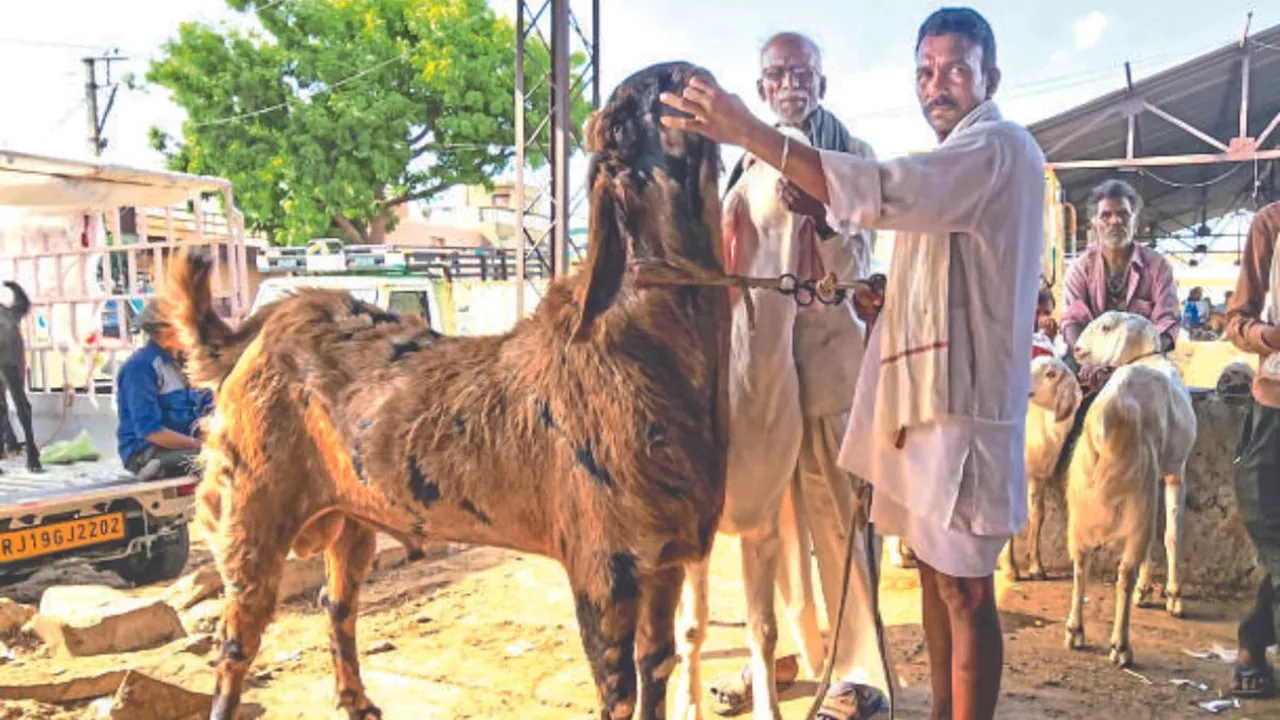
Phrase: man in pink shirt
[1115,273]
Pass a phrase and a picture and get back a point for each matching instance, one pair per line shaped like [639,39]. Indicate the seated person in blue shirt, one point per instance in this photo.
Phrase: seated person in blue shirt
[159,412]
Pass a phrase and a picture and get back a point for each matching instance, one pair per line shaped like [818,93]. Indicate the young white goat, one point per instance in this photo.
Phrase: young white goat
[1138,431]
[1055,397]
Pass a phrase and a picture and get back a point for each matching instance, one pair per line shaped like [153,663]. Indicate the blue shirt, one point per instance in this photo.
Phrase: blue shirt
[152,395]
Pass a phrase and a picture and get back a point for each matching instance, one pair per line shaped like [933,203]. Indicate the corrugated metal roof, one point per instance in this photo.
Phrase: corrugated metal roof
[1204,92]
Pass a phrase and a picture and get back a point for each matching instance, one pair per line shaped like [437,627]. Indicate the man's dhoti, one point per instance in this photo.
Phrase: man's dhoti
[822,511]
[949,545]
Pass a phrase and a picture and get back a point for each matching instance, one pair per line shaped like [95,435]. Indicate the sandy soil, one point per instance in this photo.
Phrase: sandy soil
[488,633]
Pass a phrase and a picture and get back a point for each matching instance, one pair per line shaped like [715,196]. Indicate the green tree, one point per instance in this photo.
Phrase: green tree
[338,111]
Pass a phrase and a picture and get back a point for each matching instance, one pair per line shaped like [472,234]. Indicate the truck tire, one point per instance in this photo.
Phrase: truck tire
[167,560]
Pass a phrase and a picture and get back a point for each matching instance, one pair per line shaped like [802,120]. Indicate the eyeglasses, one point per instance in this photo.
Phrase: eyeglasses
[799,75]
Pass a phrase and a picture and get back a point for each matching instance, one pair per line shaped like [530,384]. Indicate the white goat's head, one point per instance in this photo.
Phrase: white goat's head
[1115,339]
[1054,388]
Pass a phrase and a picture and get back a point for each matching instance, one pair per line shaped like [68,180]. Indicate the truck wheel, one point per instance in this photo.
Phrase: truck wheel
[167,560]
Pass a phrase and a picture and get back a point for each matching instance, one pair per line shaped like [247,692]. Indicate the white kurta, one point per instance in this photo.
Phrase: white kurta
[957,490]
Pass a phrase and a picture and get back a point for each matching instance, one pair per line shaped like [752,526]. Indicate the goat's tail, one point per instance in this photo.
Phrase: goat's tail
[212,347]
[21,303]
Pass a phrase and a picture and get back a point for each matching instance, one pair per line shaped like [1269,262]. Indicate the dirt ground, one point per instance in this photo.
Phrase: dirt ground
[485,633]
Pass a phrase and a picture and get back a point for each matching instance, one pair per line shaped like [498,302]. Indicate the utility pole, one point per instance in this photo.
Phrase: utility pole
[97,143]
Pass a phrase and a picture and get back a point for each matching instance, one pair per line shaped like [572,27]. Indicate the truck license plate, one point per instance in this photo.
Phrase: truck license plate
[55,537]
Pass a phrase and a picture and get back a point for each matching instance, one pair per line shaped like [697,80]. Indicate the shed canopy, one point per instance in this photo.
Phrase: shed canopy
[1186,153]
[34,181]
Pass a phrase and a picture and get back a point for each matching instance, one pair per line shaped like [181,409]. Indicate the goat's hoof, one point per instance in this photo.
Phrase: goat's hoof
[1075,638]
[368,713]
[1173,605]
[1144,598]
[35,466]
[1121,657]
[1037,574]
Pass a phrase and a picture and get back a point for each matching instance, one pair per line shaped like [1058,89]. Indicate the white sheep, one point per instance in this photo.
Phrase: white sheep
[1055,396]
[1138,431]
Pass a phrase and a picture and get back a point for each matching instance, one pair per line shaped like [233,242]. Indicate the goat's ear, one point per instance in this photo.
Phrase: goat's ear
[1067,400]
[738,236]
[606,258]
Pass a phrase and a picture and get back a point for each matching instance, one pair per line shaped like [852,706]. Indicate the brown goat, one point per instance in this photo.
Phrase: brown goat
[594,433]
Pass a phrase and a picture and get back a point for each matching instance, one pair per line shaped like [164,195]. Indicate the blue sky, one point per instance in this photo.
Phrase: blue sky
[1054,56]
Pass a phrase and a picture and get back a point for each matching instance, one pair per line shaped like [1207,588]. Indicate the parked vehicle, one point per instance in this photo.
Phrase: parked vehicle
[85,241]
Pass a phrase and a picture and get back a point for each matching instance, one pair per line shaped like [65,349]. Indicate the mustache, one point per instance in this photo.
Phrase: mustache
[942,101]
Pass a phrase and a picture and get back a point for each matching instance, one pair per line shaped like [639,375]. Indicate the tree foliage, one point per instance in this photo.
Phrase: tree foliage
[337,111]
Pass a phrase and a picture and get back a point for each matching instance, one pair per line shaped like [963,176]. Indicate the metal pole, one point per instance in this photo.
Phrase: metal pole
[1244,89]
[595,54]
[561,84]
[520,140]
[91,97]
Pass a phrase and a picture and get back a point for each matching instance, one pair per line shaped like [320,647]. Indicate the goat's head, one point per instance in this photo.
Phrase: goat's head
[654,191]
[1054,388]
[1115,339]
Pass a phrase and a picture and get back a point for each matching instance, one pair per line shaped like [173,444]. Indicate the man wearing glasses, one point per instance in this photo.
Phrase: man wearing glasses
[828,346]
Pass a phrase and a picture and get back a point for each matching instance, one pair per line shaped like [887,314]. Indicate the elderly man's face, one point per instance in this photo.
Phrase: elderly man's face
[950,82]
[1114,222]
[791,80]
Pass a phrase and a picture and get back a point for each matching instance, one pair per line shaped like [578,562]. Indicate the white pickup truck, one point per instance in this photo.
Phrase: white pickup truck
[86,242]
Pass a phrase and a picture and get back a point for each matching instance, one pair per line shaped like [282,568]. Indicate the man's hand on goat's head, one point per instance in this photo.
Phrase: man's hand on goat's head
[719,115]
[802,203]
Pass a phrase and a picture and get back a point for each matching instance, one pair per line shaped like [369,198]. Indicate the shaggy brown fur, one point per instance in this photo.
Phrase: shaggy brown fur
[594,432]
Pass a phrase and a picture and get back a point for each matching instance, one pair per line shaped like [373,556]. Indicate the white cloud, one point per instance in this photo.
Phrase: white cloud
[1088,29]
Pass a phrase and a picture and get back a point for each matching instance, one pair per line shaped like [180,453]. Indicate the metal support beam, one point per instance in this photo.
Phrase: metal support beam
[549,28]
[560,124]
[1165,161]
[1188,127]
[1275,122]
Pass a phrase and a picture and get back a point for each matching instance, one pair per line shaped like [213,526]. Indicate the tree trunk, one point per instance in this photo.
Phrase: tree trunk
[353,233]
[378,227]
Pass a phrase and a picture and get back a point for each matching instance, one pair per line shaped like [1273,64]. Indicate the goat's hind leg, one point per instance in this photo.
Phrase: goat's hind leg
[1175,501]
[346,563]
[760,551]
[16,380]
[251,567]
[1135,549]
[1080,561]
[691,633]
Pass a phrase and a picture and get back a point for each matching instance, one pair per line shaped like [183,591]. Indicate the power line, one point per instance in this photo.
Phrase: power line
[278,106]
[59,45]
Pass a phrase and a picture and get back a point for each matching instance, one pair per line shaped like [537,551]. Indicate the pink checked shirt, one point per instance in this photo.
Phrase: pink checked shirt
[1152,292]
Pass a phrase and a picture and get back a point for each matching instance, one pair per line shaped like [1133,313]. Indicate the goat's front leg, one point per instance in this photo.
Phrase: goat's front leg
[17,386]
[1080,561]
[1035,510]
[347,560]
[1175,500]
[655,640]
[690,634]
[607,609]
[760,550]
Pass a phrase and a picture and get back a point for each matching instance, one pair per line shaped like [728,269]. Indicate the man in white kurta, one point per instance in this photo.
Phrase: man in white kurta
[937,417]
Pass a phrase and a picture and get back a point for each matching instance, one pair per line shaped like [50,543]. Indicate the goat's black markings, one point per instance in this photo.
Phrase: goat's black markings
[543,409]
[357,462]
[587,459]
[650,663]
[479,514]
[424,491]
[364,424]
[401,348]
[232,651]
[459,424]
[624,586]
[656,437]
[338,612]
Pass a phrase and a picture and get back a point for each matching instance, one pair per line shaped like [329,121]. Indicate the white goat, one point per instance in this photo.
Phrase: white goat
[1139,430]
[1055,397]
[765,428]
